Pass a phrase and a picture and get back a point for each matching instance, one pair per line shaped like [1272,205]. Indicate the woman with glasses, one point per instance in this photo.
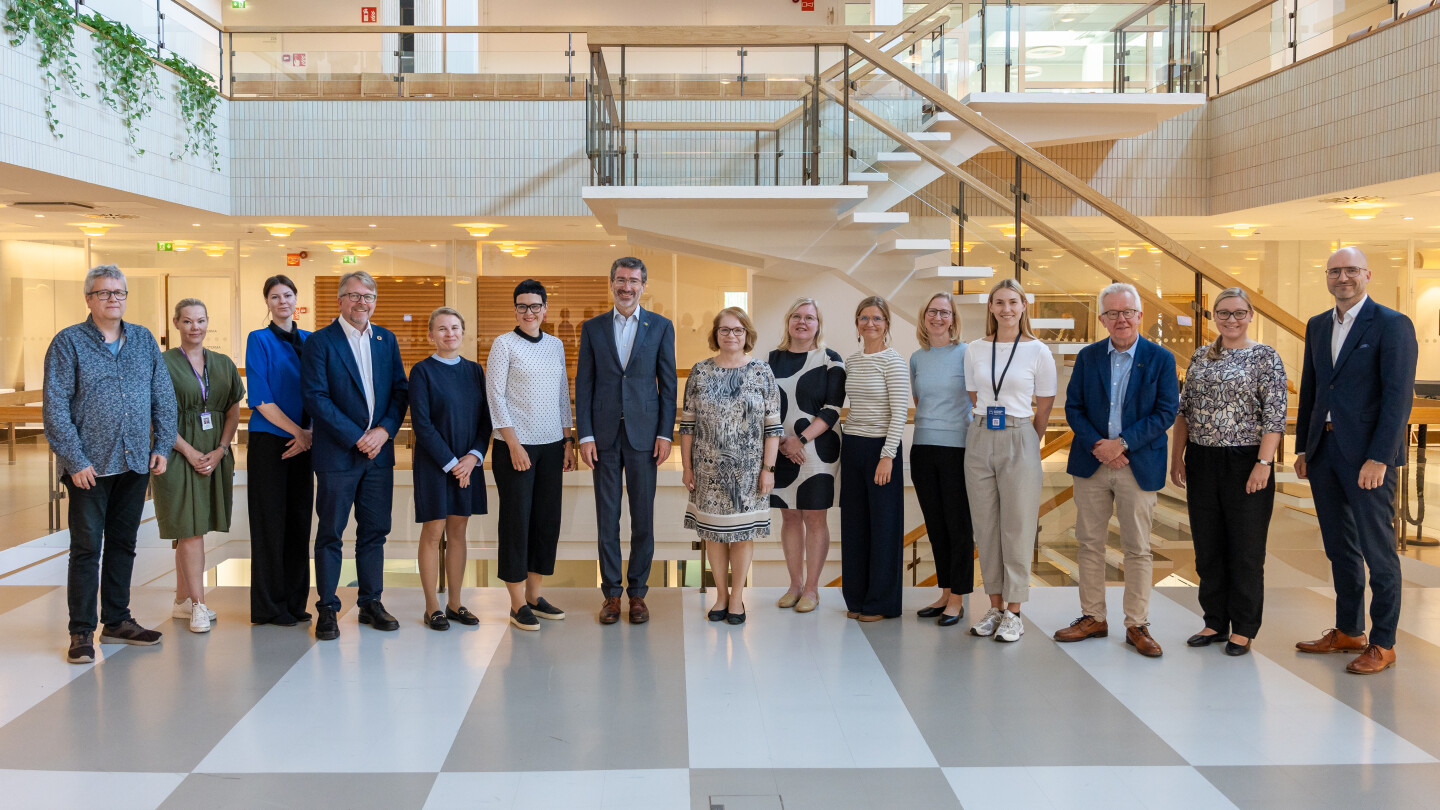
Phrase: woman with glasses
[1231,422]
[451,420]
[529,393]
[812,390]
[872,483]
[937,457]
[195,493]
[1010,375]
[280,485]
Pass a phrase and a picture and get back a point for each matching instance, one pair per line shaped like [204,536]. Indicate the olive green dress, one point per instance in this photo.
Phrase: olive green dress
[188,504]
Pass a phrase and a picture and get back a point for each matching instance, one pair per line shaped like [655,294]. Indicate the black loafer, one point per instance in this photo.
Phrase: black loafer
[437,621]
[718,614]
[929,612]
[326,628]
[524,618]
[947,620]
[463,616]
[1202,640]
[1231,648]
[545,610]
[375,615]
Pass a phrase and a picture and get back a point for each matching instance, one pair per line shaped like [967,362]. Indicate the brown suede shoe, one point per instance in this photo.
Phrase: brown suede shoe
[1143,642]
[610,611]
[1333,641]
[639,614]
[1083,628]
[1374,659]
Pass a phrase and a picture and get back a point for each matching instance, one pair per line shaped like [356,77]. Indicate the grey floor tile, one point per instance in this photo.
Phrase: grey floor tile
[332,791]
[1327,787]
[158,708]
[979,702]
[579,696]
[822,788]
[14,596]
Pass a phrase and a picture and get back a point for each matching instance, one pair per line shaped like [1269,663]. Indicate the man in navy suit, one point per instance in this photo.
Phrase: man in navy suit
[625,412]
[1121,399]
[355,392]
[1356,390]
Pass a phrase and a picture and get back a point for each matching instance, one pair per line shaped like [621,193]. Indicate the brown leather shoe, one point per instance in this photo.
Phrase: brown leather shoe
[1333,641]
[869,617]
[1083,628]
[610,611]
[1143,642]
[639,614]
[1374,659]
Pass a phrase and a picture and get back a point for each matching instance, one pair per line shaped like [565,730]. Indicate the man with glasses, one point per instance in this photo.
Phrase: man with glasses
[355,391]
[625,414]
[110,419]
[1122,397]
[1356,390]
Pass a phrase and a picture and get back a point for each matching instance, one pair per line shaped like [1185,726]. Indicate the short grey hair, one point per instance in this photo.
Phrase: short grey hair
[357,275]
[1115,289]
[103,271]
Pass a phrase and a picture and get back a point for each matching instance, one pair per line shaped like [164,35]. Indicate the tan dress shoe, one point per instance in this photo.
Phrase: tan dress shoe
[788,600]
[850,614]
[1143,642]
[1083,628]
[610,611]
[639,614]
[1333,641]
[806,604]
[1374,659]
[869,617]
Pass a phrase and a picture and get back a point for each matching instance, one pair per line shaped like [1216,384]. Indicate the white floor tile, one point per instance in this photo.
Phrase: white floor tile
[66,790]
[1085,788]
[789,690]
[387,702]
[563,790]
[1213,709]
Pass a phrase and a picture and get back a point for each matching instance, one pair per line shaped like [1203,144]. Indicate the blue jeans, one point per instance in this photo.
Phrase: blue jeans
[104,520]
[369,488]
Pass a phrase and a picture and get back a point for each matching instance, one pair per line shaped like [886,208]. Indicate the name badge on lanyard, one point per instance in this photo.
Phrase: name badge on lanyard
[995,417]
[207,422]
[995,414]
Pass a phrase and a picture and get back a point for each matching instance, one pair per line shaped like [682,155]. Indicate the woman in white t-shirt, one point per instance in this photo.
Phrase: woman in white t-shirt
[1005,372]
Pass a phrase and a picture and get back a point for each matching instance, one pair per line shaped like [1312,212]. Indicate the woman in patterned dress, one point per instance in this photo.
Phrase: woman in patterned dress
[729,436]
[1230,424]
[812,389]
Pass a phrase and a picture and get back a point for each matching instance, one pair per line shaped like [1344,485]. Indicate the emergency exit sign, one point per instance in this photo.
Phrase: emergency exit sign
[347,259]
[165,246]
[237,3]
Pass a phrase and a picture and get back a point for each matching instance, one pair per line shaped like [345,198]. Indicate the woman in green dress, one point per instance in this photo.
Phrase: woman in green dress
[194,495]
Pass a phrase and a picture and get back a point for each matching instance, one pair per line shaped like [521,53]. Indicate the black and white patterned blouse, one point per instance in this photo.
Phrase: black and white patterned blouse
[528,388]
[812,386]
[730,412]
[1233,401]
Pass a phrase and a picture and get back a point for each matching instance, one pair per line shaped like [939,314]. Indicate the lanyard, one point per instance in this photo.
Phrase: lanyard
[994,344]
[202,377]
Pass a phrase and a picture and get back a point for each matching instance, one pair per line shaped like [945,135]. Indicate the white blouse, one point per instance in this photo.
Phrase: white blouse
[1032,374]
[528,388]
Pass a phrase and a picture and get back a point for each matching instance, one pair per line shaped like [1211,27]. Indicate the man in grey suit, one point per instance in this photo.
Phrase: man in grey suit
[625,411]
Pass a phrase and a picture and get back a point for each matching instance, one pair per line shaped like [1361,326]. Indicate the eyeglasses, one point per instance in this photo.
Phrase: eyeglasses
[942,314]
[869,319]
[805,318]
[1116,314]
[356,298]
[109,295]
[1231,315]
[731,331]
[533,309]
[1350,272]
[621,281]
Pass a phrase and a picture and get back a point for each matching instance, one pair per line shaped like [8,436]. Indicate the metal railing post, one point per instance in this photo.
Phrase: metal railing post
[845,119]
[757,157]
[984,44]
[1170,49]
[1007,46]
[1020,198]
[624,79]
[1198,306]
[815,122]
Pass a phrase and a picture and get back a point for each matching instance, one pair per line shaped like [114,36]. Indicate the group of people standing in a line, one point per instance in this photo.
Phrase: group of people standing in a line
[754,435]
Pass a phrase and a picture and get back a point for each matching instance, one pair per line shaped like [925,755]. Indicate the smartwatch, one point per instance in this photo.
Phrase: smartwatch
[804,440]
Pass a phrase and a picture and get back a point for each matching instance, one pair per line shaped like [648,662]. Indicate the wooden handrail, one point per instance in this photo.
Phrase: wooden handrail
[1140,14]
[710,36]
[205,18]
[1240,15]
[1062,497]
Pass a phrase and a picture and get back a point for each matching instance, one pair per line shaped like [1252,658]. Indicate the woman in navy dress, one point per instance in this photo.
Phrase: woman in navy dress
[451,419]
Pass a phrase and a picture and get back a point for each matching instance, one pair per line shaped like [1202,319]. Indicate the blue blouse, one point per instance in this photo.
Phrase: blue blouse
[272,374]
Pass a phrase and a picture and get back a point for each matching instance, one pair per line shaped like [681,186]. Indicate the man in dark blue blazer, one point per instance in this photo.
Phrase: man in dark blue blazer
[625,412]
[1121,399]
[1356,391]
[355,392]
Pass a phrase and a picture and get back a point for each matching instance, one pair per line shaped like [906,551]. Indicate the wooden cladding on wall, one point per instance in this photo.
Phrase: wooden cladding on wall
[572,301]
[400,297]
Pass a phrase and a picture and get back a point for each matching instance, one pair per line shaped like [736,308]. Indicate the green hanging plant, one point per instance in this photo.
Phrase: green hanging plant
[127,74]
[199,100]
[52,23]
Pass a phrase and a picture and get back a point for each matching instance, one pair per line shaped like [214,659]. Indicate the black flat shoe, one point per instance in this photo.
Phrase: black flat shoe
[463,616]
[437,621]
[718,614]
[929,612]
[949,621]
[735,618]
[1233,649]
[1202,640]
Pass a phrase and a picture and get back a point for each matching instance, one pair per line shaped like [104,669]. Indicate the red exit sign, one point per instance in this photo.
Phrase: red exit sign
[370,14]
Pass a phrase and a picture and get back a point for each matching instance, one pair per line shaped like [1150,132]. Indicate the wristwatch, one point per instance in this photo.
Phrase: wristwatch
[803,440]
[1266,463]
[1124,444]
[770,468]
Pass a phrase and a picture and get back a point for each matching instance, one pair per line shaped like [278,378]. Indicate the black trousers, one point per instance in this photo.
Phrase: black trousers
[1229,528]
[529,519]
[938,474]
[281,501]
[637,469]
[872,528]
[104,521]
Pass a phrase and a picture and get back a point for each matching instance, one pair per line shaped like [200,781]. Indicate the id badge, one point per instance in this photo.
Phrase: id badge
[206,423]
[995,417]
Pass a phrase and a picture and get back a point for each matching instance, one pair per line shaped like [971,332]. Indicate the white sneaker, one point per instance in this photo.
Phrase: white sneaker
[1011,628]
[181,610]
[988,622]
[199,618]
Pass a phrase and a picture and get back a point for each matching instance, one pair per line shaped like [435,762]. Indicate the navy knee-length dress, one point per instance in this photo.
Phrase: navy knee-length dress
[451,417]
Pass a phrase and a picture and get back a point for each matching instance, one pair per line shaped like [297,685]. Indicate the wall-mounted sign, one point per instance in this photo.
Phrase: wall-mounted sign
[347,259]
[302,310]
[165,246]
[807,5]
[237,3]
[408,318]
[293,59]
[369,14]
[292,259]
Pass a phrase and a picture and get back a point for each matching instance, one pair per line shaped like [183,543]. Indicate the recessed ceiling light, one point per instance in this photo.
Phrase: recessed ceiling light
[39,216]
[194,224]
[434,246]
[612,246]
[372,224]
[1407,219]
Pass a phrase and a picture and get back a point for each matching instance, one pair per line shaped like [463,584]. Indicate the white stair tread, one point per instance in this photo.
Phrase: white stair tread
[984,298]
[941,118]
[904,245]
[1064,348]
[1052,323]
[869,177]
[930,136]
[954,271]
[897,157]
[884,220]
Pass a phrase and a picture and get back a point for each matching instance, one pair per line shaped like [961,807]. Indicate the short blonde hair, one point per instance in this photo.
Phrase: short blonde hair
[739,315]
[992,326]
[356,275]
[880,304]
[444,311]
[819,324]
[923,335]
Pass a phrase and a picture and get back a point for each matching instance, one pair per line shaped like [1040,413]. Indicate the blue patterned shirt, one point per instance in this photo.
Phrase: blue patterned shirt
[1121,362]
